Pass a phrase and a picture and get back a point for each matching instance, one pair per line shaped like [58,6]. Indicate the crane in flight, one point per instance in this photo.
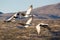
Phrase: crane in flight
[28,12]
[38,27]
[13,17]
[27,24]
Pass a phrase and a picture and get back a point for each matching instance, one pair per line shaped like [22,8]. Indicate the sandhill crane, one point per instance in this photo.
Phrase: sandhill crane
[38,27]
[12,17]
[28,12]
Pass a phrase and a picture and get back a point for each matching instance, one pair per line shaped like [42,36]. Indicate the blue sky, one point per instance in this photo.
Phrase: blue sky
[21,5]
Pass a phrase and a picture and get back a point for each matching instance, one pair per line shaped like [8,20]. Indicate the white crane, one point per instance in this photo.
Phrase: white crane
[12,17]
[27,23]
[28,12]
[38,27]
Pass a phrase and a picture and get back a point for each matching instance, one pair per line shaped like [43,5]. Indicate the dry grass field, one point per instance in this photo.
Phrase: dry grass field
[12,31]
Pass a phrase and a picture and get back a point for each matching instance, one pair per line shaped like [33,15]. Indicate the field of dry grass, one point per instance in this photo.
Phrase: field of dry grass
[12,31]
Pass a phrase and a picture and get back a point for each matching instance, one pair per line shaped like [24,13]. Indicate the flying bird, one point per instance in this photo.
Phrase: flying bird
[12,17]
[38,27]
[27,24]
[28,12]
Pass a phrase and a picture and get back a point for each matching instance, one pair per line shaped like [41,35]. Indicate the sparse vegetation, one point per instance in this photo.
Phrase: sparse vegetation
[11,31]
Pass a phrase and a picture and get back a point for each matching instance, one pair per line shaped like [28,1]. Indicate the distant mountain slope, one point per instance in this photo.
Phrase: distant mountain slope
[45,12]
[1,12]
[49,11]
[5,16]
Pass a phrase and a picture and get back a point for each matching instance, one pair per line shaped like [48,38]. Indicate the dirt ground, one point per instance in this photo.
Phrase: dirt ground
[12,31]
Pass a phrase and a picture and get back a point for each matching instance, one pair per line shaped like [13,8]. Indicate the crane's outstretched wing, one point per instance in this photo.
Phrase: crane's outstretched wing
[14,16]
[38,28]
[28,22]
[28,11]
[8,20]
